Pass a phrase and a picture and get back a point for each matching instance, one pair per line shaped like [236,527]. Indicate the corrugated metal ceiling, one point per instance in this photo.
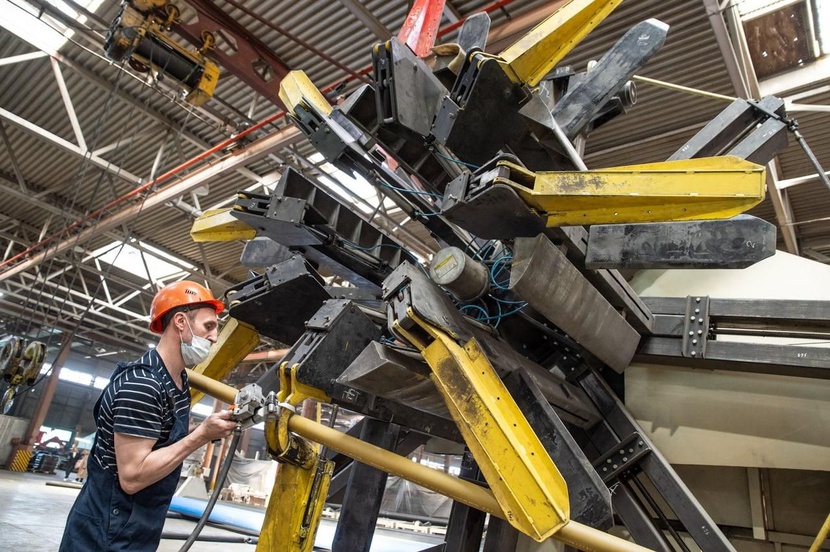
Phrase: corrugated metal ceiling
[654,128]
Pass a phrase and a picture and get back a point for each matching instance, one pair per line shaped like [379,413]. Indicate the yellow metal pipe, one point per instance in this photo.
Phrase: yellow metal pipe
[680,88]
[822,535]
[572,533]
[210,386]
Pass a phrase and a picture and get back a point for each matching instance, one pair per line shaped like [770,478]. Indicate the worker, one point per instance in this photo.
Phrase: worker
[69,467]
[81,467]
[142,427]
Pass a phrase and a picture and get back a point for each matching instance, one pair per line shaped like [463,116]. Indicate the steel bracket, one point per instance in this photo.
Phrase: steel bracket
[621,458]
[696,327]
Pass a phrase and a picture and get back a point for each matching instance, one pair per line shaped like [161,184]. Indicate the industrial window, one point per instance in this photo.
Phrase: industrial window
[786,34]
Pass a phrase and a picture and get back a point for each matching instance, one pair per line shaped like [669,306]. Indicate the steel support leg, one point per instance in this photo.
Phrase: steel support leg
[466,524]
[364,493]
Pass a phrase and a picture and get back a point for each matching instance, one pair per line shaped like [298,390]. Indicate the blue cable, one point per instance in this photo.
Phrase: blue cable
[417,192]
[506,302]
[481,250]
[458,161]
[514,311]
[361,248]
[493,274]
[484,312]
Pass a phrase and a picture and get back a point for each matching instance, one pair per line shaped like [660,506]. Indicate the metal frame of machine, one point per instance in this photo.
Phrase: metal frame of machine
[517,371]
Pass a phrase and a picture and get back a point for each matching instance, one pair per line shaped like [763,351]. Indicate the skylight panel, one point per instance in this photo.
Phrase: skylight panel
[128,258]
[39,29]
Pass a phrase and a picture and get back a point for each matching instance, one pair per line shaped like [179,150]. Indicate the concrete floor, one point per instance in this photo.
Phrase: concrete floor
[33,515]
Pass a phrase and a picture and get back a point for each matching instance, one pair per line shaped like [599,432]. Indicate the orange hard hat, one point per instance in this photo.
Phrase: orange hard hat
[180,294]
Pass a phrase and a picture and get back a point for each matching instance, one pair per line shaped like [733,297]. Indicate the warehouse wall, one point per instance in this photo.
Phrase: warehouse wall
[737,437]
[733,418]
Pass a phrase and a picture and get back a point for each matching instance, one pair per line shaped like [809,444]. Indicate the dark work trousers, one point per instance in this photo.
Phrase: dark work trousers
[70,465]
[106,519]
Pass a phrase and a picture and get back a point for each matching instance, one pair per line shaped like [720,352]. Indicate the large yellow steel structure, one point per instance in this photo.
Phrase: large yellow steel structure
[529,488]
[525,486]
[535,55]
[571,533]
[691,189]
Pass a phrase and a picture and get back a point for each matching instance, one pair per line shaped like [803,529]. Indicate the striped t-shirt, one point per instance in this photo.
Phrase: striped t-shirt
[141,400]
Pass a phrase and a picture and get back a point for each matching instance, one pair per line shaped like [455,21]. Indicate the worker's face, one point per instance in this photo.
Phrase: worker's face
[203,323]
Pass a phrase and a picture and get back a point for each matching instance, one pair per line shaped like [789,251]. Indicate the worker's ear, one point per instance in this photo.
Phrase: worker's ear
[178,321]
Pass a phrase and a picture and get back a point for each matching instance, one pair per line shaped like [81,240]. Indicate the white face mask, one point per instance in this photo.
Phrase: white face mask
[197,350]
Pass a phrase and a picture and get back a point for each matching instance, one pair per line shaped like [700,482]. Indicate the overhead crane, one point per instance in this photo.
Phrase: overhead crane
[505,344]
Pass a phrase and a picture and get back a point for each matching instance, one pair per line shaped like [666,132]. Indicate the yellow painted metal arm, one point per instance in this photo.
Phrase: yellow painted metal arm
[292,391]
[219,225]
[236,340]
[295,508]
[521,474]
[822,535]
[296,89]
[692,189]
[535,54]
[299,495]
[572,533]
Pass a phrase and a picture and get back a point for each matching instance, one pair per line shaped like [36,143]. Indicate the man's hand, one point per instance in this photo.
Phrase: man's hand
[217,425]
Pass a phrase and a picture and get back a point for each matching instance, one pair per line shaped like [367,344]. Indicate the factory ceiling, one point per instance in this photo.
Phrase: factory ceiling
[104,167]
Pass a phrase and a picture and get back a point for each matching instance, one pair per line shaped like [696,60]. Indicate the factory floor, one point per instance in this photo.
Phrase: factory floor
[33,515]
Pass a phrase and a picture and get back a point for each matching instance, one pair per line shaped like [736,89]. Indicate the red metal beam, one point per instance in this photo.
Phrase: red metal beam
[421,26]
[252,62]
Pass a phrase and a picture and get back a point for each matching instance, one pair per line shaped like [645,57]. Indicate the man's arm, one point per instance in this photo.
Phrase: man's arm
[139,466]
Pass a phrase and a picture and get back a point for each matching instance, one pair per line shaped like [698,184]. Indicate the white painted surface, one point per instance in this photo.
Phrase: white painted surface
[722,418]
[10,427]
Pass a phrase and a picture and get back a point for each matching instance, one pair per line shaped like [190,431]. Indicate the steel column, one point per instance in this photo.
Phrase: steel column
[364,493]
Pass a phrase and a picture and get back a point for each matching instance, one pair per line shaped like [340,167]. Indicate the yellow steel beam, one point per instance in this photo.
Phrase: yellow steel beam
[295,508]
[296,89]
[292,391]
[573,533]
[235,341]
[219,225]
[523,478]
[535,54]
[692,189]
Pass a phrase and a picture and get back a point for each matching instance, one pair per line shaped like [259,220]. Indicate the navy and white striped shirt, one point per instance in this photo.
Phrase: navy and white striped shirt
[141,400]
